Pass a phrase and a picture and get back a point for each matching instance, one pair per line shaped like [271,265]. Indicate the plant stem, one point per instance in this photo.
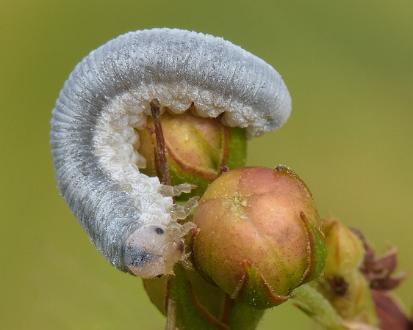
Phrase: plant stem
[181,308]
[188,314]
[243,317]
[311,302]
[162,171]
[171,315]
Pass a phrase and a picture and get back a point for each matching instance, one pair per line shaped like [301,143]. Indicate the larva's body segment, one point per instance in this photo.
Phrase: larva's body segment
[108,95]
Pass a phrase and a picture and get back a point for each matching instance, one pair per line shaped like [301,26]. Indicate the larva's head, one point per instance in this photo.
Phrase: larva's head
[153,250]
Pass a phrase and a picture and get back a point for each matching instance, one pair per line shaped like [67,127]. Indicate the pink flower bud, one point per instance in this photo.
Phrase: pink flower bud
[258,235]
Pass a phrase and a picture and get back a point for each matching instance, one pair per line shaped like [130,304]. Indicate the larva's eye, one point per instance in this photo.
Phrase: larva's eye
[159,230]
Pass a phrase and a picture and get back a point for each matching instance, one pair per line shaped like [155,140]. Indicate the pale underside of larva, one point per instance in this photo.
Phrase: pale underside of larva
[107,96]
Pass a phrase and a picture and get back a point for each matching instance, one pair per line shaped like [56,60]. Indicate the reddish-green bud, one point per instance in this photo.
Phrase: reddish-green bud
[258,235]
[198,149]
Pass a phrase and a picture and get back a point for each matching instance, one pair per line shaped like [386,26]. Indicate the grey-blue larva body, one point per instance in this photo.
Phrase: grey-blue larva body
[108,95]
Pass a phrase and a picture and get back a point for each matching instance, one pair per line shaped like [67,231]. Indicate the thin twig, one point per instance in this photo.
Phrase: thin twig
[162,171]
[226,310]
[160,150]
[170,315]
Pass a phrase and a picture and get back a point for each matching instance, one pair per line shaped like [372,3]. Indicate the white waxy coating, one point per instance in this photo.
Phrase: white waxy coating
[108,95]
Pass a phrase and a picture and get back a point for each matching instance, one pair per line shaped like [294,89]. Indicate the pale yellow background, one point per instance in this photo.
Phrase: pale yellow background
[349,67]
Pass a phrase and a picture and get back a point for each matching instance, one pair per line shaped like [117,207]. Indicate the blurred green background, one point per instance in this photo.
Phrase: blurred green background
[348,65]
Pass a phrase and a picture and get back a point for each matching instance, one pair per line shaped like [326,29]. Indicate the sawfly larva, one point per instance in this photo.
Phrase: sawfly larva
[126,213]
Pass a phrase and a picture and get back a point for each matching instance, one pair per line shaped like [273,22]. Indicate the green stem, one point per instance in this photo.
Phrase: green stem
[244,317]
[310,301]
[170,315]
[183,310]
[191,315]
[188,313]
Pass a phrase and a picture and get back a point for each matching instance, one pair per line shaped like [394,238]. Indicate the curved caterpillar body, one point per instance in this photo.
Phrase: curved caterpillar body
[107,96]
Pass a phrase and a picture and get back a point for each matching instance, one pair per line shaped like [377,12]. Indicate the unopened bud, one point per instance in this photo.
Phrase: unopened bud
[258,235]
[343,283]
[345,250]
[197,148]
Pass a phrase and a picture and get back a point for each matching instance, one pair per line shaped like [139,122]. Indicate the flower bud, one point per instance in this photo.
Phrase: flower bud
[258,235]
[345,250]
[343,284]
[197,148]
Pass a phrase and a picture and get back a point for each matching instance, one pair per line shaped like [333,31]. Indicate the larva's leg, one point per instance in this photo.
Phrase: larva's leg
[178,190]
[182,211]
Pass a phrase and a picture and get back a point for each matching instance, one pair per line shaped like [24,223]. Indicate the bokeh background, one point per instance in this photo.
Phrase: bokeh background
[348,65]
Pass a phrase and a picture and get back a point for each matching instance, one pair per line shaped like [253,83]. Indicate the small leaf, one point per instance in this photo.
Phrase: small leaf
[255,290]
[317,251]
